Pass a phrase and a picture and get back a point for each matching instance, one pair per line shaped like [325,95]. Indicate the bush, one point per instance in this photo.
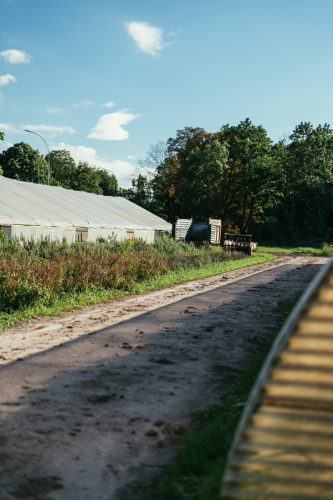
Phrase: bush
[327,249]
[19,288]
[32,273]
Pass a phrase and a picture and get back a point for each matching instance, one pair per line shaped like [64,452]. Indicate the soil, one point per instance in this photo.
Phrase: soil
[93,402]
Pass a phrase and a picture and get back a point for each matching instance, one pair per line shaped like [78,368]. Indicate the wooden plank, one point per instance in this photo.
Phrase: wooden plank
[315,392]
[282,438]
[321,310]
[307,358]
[275,476]
[293,466]
[287,373]
[301,403]
[325,293]
[304,426]
[306,421]
[270,451]
[314,326]
[313,342]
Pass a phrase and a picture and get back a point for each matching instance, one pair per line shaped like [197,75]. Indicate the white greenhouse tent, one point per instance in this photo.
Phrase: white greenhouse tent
[35,210]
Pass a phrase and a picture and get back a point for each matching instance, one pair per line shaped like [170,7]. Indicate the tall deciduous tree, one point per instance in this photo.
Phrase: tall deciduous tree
[140,192]
[251,166]
[156,155]
[24,163]
[86,179]
[307,179]
[185,141]
[63,168]
[168,174]
[107,182]
[203,177]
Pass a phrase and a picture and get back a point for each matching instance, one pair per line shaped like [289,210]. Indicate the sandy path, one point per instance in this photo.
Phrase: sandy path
[96,417]
[39,334]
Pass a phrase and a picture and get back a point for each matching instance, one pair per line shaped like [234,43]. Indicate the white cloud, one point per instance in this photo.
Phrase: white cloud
[52,129]
[123,170]
[6,127]
[147,38]
[7,79]
[14,56]
[108,104]
[110,126]
[56,111]
[85,104]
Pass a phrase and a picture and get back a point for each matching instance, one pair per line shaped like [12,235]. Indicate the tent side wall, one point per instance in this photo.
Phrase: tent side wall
[121,234]
[35,233]
[71,234]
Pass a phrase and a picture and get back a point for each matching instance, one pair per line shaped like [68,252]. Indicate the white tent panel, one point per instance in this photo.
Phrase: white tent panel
[29,206]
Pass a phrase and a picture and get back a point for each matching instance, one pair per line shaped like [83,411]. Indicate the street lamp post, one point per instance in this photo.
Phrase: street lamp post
[48,155]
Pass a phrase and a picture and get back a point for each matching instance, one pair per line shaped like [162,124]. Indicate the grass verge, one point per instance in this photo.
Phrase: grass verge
[324,251]
[72,300]
[183,275]
[197,470]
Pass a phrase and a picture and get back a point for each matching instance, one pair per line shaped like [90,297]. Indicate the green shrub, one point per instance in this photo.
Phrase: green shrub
[327,249]
[20,291]
[38,272]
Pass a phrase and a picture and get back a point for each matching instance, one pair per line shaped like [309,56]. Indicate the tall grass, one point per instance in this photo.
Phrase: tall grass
[40,272]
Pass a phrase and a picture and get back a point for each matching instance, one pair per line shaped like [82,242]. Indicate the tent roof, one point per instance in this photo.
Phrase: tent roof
[40,205]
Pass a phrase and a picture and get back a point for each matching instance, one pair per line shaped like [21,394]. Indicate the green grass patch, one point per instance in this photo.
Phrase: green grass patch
[73,300]
[183,275]
[196,472]
[325,250]
[61,304]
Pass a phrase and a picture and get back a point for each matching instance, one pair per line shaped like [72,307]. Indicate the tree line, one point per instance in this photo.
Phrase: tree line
[23,163]
[281,191]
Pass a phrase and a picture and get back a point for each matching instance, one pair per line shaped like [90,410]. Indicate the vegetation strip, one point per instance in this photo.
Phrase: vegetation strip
[76,299]
[325,250]
[197,470]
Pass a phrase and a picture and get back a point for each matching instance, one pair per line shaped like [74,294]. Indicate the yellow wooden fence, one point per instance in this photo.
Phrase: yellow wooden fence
[283,447]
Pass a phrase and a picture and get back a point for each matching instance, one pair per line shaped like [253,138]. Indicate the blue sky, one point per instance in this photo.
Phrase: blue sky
[107,79]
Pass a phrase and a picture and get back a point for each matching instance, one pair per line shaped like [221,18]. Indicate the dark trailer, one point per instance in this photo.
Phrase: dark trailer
[198,232]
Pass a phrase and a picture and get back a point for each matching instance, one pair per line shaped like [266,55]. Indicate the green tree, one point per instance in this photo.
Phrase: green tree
[165,184]
[107,182]
[167,177]
[140,192]
[63,168]
[185,141]
[86,178]
[155,157]
[307,178]
[251,174]
[24,163]
[203,178]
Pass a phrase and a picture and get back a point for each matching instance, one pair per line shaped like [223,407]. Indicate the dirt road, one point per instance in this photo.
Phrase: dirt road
[88,414]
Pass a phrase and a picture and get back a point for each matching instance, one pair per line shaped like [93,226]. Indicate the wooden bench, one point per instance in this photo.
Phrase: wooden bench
[240,242]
